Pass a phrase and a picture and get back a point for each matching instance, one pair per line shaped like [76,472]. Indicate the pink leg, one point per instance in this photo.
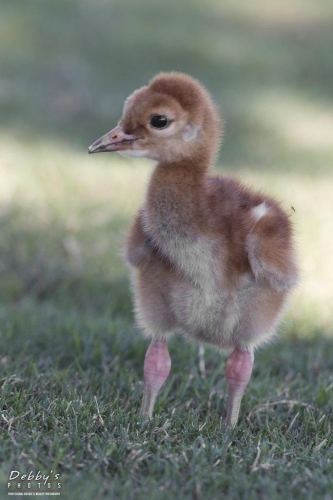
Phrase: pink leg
[238,373]
[156,370]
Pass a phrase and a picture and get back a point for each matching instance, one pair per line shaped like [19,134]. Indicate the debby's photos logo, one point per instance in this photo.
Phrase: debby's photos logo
[34,483]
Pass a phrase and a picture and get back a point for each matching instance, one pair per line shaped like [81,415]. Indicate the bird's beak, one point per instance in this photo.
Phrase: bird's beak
[115,140]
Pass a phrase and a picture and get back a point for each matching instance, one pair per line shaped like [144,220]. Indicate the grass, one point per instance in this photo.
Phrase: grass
[71,357]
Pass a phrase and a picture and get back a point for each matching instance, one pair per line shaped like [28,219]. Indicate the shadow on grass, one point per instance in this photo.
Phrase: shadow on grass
[72,268]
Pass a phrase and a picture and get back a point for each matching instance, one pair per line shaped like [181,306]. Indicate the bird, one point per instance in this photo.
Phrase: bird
[209,257]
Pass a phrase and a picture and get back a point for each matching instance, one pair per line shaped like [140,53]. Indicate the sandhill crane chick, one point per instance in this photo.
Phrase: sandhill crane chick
[209,258]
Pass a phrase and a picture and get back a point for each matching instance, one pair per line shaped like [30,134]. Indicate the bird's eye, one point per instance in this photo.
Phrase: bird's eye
[159,121]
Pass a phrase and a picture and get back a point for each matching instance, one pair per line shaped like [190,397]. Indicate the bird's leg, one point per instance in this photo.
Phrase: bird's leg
[156,370]
[238,373]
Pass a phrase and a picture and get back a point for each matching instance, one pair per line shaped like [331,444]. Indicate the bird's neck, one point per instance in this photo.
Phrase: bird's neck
[175,202]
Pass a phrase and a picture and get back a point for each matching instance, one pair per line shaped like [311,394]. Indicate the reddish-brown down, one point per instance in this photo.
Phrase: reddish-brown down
[209,258]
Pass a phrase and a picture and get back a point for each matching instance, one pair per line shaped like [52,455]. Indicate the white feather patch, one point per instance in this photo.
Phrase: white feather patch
[190,132]
[259,211]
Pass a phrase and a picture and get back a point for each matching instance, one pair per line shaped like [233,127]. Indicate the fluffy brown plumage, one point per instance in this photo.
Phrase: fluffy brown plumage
[209,257]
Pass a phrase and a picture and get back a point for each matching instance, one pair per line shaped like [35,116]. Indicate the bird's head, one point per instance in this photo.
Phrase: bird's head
[170,119]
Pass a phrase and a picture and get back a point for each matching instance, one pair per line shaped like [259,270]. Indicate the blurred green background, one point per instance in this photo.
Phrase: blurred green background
[66,68]
[66,323]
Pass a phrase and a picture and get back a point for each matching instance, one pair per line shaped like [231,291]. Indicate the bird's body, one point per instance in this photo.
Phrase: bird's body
[210,258]
[192,272]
